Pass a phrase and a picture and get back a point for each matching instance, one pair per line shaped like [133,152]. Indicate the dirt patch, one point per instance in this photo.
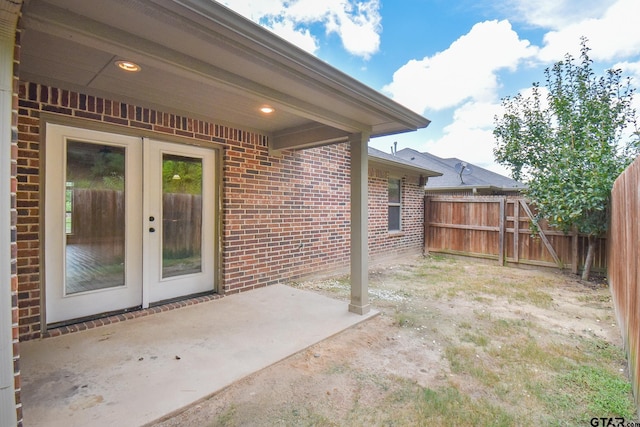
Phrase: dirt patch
[456,341]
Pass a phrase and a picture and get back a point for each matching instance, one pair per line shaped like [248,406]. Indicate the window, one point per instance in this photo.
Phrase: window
[395,197]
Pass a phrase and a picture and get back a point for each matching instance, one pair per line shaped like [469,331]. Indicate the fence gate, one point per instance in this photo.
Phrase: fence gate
[499,227]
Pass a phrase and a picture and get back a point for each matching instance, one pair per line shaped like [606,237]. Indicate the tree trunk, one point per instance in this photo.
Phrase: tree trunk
[591,250]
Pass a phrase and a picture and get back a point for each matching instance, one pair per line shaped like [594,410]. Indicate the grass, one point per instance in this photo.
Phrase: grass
[597,390]
[226,418]
[477,339]
[505,360]
[551,378]
[594,300]
[448,406]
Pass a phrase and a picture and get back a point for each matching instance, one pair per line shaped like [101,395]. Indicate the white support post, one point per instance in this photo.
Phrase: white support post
[359,225]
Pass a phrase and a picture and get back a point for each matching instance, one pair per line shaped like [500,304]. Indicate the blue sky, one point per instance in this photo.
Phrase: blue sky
[452,61]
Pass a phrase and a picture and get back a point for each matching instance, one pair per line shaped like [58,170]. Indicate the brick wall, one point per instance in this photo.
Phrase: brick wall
[410,239]
[283,216]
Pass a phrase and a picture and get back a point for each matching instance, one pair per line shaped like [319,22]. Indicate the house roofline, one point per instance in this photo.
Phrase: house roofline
[278,49]
[297,60]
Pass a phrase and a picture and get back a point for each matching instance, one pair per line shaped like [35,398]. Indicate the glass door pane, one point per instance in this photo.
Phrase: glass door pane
[181,215]
[94,217]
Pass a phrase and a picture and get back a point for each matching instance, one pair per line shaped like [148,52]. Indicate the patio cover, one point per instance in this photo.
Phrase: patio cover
[201,58]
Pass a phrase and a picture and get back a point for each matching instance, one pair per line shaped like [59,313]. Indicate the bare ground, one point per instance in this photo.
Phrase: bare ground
[456,341]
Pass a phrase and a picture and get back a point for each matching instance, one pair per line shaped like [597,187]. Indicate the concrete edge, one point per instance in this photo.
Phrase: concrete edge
[372,314]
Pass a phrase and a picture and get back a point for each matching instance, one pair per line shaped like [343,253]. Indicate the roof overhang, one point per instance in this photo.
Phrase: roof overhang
[401,167]
[462,188]
[202,59]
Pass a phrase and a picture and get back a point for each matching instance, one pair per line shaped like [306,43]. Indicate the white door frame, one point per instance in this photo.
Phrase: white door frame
[139,245]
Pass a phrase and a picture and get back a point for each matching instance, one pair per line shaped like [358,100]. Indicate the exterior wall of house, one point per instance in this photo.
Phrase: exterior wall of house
[410,238]
[284,215]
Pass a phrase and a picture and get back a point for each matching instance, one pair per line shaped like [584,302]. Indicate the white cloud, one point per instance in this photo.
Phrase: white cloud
[254,9]
[554,14]
[469,137]
[466,70]
[360,32]
[631,69]
[299,37]
[613,35]
[356,23]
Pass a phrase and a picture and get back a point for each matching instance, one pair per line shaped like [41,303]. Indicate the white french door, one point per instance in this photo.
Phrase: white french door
[128,222]
[92,210]
[179,220]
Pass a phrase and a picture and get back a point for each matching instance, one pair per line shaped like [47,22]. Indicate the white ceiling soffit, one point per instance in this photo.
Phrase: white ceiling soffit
[202,59]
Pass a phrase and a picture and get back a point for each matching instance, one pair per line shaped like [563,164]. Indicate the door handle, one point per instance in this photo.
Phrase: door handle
[151,229]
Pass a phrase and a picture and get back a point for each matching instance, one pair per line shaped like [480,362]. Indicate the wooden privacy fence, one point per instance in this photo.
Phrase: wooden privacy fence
[624,269]
[182,225]
[499,227]
[98,218]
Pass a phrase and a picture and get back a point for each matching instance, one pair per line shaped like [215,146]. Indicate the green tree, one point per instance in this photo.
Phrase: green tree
[569,142]
[182,175]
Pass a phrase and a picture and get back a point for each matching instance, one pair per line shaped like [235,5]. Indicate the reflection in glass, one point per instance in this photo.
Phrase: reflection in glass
[94,217]
[394,190]
[181,215]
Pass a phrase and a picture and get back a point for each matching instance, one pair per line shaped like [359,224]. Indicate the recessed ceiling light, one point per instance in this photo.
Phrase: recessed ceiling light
[267,109]
[128,66]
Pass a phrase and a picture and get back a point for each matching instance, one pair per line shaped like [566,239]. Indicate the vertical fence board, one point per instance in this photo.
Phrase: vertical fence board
[624,272]
[98,218]
[516,231]
[501,225]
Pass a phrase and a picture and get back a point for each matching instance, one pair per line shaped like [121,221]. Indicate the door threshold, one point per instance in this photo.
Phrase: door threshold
[182,298]
[76,325]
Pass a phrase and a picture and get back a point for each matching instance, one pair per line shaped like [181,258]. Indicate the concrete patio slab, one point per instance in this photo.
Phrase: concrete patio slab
[135,372]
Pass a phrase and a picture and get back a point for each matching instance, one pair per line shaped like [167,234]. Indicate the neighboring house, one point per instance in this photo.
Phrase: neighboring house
[460,177]
[158,149]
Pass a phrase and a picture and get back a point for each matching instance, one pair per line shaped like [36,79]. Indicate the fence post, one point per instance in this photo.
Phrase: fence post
[502,231]
[427,204]
[574,250]
[516,231]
